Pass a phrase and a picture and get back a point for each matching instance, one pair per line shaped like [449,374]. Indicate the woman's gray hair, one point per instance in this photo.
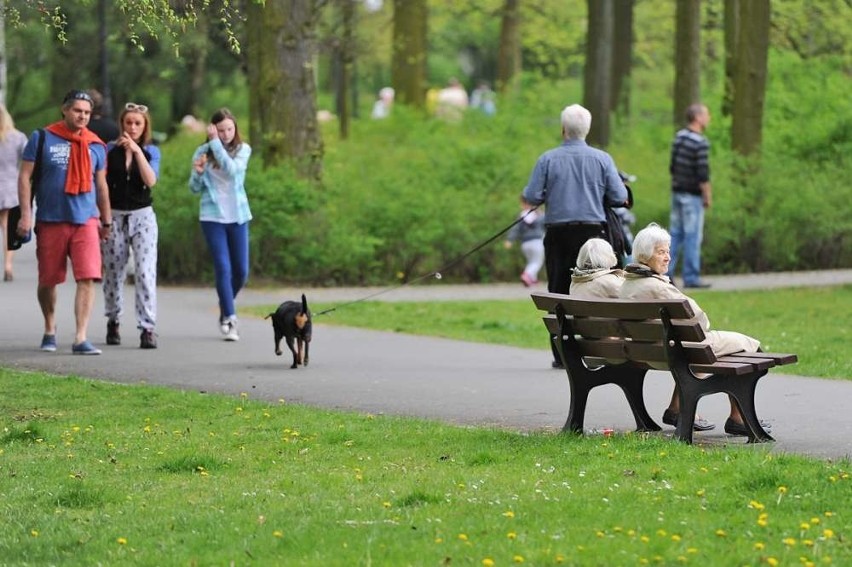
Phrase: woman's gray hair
[647,240]
[596,253]
[576,122]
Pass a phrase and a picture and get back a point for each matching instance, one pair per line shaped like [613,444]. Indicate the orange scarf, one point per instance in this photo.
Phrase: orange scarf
[79,177]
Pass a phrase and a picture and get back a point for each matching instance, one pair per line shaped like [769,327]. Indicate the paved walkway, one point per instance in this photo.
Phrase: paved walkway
[388,373]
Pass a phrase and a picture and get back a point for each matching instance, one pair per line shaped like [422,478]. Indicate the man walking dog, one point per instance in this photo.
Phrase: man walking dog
[73,213]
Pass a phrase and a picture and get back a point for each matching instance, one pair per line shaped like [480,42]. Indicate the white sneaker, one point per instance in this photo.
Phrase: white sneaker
[232,335]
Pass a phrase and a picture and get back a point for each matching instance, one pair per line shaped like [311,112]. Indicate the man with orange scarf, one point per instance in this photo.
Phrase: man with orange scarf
[72,213]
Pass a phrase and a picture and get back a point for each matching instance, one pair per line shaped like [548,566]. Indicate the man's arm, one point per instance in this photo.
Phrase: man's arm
[103,203]
[706,194]
[25,192]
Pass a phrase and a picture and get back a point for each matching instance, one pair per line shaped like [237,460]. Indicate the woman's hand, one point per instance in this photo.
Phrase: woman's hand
[126,142]
[199,164]
[212,132]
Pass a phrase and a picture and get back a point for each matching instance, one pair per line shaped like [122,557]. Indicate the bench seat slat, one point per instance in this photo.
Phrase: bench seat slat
[758,363]
[779,358]
[648,330]
[619,308]
[736,368]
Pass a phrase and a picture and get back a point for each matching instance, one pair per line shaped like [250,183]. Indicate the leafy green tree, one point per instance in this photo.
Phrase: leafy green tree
[750,79]
[509,57]
[597,76]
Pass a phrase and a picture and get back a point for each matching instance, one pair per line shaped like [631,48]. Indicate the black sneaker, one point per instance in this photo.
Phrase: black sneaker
[147,339]
[113,337]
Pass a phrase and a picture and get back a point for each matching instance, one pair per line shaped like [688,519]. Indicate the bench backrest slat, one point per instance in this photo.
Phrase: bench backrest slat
[616,308]
[649,353]
[649,330]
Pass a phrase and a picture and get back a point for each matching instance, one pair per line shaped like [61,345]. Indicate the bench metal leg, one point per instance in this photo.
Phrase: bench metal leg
[632,383]
[742,389]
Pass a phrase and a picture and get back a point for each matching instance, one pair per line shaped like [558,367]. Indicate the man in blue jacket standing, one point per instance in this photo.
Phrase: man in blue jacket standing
[574,181]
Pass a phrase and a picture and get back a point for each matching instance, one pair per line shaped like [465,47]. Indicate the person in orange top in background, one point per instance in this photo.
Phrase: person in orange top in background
[73,213]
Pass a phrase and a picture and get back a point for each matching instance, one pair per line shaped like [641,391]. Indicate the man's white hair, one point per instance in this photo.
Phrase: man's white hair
[647,240]
[576,122]
[596,253]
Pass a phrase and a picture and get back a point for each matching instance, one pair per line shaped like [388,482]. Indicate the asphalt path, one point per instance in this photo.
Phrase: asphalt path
[389,373]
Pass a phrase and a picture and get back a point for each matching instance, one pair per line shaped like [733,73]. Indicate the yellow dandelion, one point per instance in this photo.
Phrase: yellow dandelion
[805,526]
[782,490]
[806,562]
[815,520]
[463,537]
[676,537]
[559,559]
[644,539]
[509,514]
[147,429]
[617,529]
[122,541]
[828,514]
[771,561]
[703,469]
[692,550]
[518,558]
[386,504]
[827,533]
[756,505]
[682,558]
[631,532]
[700,493]
[661,533]
[721,533]
[239,409]
[282,401]
[439,540]
[488,562]
[511,535]
[643,561]
[759,546]
[243,395]
[662,454]
[808,542]
[34,533]
[359,476]
[789,541]
[762,521]
[278,533]
[599,533]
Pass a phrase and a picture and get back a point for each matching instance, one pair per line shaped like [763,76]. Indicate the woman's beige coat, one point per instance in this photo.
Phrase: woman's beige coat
[658,287]
[595,284]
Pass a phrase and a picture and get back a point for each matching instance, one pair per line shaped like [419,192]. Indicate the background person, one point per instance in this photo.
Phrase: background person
[104,126]
[530,233]
[573,180]
[218,175]
[484,99]
[596,275]
[452,101]
[647,279]
[383,105]
[133,165]
[691,194]
[73,214]
[12,143]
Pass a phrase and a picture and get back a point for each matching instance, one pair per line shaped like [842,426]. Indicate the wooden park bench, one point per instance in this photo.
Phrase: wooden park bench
[616,341]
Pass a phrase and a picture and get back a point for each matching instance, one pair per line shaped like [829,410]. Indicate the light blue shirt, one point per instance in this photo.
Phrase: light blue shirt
[573,180]
[222,189]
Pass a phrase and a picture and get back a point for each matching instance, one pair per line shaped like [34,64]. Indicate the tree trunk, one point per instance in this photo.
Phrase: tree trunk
[281,79]
[3,80]
[597,74]
[732,33]
[750,79]
[408,64]
[687,57]
[509,55]
[622,59]
[346,62]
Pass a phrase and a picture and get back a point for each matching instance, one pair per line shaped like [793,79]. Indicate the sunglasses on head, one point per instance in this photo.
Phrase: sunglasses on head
[133,107]
[78,95]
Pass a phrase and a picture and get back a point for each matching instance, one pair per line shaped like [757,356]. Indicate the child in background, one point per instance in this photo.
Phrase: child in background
[530,233]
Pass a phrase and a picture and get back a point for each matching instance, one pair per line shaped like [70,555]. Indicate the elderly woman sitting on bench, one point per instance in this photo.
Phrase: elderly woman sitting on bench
[647,280]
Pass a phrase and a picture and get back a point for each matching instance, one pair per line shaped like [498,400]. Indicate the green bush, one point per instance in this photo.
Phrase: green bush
[409,195]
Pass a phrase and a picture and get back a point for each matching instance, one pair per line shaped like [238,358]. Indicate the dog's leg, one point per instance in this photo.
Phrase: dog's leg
[293,350]
[305,362]
[278,336]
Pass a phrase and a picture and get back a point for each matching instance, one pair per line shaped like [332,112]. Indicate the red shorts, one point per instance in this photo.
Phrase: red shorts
[57,241]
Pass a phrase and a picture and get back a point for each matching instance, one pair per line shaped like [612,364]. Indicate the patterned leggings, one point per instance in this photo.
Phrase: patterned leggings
[136,230]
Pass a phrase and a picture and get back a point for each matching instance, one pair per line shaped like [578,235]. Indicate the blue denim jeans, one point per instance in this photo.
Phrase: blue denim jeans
[686,226]
[229,247]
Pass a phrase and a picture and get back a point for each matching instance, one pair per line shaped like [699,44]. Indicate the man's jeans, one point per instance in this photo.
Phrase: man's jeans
[686,225]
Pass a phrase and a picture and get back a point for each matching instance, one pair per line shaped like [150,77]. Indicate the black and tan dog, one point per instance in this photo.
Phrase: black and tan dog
[292,322]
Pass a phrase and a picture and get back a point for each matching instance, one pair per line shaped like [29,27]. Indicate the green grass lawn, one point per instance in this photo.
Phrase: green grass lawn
[815,323]
[94,473]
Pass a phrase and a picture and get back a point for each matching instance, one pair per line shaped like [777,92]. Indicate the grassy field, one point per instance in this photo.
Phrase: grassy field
[815,323]
[93,473]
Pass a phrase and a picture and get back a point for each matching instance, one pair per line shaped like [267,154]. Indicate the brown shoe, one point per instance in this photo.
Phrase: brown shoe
[147,339]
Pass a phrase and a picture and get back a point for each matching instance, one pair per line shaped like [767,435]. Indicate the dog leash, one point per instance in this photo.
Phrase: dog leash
[436,273]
